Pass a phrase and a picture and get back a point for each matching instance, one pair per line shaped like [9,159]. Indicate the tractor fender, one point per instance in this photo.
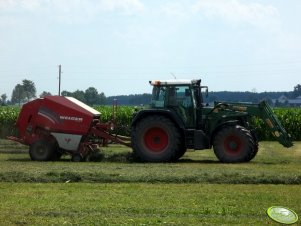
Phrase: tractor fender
[164,112]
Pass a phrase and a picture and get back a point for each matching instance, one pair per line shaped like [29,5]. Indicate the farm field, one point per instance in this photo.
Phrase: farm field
[197,190]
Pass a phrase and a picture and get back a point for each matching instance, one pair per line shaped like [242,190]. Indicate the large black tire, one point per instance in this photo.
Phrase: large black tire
[77,158]
[57,154]
[255,146]
[181,150]
[156,139]
[42,150]
[234,144]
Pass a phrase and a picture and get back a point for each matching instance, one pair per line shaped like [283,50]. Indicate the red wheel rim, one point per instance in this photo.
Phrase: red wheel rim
[233,145]
[156,139]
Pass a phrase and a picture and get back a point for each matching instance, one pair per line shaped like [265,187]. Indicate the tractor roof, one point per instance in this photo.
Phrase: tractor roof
[174,82]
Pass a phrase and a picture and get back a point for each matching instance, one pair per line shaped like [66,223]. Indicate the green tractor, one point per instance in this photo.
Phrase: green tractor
[178,120]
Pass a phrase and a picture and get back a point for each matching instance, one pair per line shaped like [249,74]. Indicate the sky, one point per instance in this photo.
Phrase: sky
[117,46]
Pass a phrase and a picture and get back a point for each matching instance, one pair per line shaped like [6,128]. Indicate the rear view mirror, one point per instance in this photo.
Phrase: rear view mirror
[206,90]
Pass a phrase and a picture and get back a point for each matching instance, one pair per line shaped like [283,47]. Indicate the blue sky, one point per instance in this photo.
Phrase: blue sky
[117,46]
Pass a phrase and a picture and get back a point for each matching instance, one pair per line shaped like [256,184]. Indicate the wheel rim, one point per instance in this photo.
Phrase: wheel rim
[41,150]
[233,145]
[156,139]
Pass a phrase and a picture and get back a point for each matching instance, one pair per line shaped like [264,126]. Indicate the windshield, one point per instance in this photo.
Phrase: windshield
[172,96]
[178,98]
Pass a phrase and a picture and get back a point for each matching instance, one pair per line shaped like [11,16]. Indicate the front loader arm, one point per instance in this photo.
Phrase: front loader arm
[265,112]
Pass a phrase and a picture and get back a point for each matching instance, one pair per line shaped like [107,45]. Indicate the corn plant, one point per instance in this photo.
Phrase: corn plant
[122,120]
[8,117]
[290,119]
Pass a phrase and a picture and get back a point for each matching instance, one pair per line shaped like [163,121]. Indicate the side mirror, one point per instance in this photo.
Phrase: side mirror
[206,90]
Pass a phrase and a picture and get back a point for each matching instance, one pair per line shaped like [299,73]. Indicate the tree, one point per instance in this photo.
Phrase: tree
[297,91]
[91,96]
[66,93]
[80,95]
[29,89]
[44,94]
[102,98]
[18,94]
[3,99]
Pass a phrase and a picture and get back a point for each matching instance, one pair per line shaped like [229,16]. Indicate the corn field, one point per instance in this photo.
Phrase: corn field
[8,117]
[122,119]
[289,117]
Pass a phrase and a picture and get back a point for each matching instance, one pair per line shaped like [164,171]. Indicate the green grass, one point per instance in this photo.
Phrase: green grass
[273,165]
[142,203]
[197,190]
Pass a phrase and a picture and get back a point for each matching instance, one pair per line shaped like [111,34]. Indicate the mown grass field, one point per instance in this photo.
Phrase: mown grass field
[197,190]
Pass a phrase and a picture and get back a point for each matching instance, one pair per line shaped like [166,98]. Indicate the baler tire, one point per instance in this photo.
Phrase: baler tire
[156,139]
[41,150]
[56,155]
[234,144]
[77,158]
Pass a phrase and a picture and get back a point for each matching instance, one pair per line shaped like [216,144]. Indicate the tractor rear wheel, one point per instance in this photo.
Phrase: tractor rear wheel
[156,139]
[181,150]
[234,144]
[41,150]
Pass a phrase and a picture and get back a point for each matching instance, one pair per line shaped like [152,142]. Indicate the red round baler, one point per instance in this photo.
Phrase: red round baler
[54,125]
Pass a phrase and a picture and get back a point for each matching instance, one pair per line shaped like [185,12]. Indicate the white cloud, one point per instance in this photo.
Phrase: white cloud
[12,12]
[128,6]
[7,4]
[31,4]
[175,10]
[73,7]
[16,5]
[239,12]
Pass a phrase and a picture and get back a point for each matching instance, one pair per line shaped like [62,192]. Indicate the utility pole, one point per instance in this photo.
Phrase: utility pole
[60,72]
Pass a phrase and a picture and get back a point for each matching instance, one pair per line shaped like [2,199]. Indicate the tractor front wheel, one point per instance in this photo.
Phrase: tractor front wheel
[234,144]
[156,139]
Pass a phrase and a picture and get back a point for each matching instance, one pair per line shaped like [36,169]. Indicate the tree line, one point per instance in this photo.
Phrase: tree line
[26,91]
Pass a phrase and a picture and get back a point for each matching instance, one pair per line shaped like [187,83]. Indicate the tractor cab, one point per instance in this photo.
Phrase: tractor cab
[180,96]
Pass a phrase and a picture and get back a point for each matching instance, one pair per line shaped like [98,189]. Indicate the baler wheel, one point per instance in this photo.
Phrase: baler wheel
[56,155]
[234,144]
[77,158]
[41,150]
[156,139]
